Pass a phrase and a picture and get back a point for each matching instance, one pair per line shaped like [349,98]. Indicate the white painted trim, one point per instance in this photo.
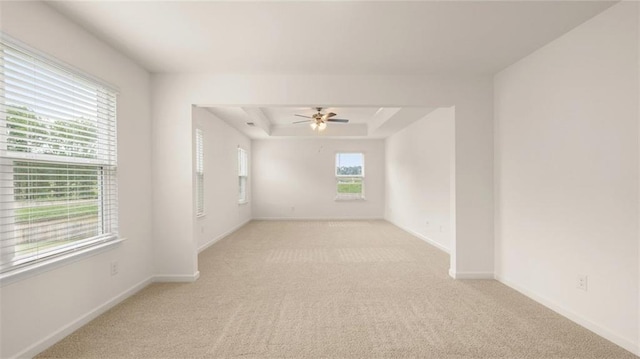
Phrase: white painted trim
[576,318]
[211,242]
[54,262]
[421,236]
[470,275]
[318,219]
[176,278]
[61,333]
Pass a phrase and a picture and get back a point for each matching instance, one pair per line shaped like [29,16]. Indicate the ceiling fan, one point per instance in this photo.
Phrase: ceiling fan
[319,120]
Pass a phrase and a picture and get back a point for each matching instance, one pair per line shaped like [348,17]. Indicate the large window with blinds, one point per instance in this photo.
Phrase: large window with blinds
[243,174]
[57,159]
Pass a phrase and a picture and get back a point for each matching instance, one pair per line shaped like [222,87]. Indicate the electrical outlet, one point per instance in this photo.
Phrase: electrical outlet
[427,223]
[441,228]
[582,282]
[114,268]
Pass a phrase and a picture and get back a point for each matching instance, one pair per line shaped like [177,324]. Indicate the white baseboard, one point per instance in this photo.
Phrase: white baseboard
[58,335]
[211,242]
[176,278]
[470,275]
[421,236]
[601,331]
[318,218]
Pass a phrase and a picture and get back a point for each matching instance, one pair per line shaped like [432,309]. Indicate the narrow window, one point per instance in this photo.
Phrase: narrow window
[350,176]
[199,174]
[58,159]
[243,174]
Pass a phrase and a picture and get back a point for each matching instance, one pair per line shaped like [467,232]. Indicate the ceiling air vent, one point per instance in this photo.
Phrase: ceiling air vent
[251,124]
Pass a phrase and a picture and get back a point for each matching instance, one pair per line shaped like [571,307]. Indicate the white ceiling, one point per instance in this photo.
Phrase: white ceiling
[337,37]
[328,37]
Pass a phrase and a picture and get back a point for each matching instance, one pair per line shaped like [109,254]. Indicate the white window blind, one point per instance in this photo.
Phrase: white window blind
[199,173]
[58,159]
[243,174]
[349,176]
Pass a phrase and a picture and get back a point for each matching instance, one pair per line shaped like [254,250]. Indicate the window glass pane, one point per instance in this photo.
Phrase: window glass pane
[350,186]
[28,132]
[242,189]
[54,205]
[350,164]
[199,173]
[199,194]
[242,162]
[243,173]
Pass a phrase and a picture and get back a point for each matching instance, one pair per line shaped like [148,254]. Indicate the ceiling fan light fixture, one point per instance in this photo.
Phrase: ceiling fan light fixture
[319,120]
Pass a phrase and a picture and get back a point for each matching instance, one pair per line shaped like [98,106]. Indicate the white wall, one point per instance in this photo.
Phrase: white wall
[175,245]
[567,174]
[295,178]
[35,309]
[419,161]
[223,214]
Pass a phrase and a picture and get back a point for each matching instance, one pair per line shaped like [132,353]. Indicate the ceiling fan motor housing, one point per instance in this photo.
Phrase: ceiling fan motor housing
[319,119]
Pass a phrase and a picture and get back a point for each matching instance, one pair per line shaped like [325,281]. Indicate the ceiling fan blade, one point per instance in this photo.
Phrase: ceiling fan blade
[300,121]
[305,116]
[330,114]
[337,120]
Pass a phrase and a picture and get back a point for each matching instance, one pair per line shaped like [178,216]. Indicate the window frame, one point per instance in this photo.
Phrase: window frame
[243,176]
[199,173]
[108,235]
[342,197]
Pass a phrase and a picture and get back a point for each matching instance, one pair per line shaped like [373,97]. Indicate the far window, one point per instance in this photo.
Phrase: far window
[243,173]
[350,176]
[199,174]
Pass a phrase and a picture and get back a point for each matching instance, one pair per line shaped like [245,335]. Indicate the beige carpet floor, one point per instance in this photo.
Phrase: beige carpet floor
[316,289]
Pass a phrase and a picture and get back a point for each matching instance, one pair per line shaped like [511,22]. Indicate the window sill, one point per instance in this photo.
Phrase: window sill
[243,203]
[343,199]
[55,262]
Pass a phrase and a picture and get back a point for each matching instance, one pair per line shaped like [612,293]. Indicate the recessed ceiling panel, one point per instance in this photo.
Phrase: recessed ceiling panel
[278,121]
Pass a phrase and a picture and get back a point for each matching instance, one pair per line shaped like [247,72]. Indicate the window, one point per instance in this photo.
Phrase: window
[57,159]
[243,173]
[199,174]
[350,176]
